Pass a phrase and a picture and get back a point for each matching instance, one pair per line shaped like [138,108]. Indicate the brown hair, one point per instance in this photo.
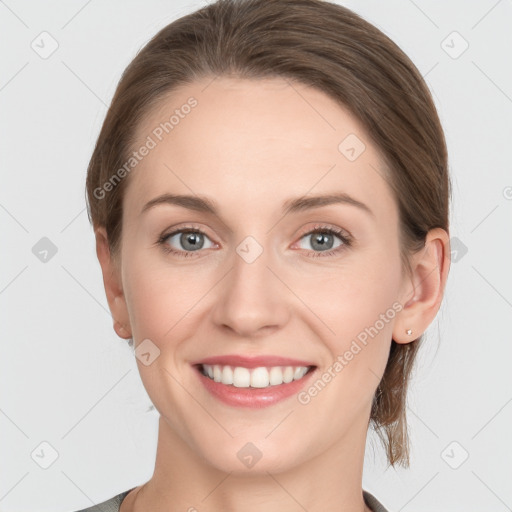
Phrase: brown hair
[320,44]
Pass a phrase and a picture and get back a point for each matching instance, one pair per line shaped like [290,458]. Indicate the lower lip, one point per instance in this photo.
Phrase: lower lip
[253,397]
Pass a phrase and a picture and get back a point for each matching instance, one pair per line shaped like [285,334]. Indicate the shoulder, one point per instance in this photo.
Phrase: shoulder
[373,502]
[111,505]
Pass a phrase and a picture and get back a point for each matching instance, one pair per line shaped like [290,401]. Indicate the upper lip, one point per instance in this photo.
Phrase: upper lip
[252,361]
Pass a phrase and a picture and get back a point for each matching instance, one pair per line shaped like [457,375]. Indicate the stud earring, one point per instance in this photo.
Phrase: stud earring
[408,331]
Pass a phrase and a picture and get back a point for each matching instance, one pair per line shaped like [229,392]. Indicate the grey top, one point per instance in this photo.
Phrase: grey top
[113,504]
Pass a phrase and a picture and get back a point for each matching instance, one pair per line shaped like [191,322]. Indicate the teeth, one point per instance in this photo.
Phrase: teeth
[227,375]
[241,377]
[260,377]
[288,374]
[300,371]
[275,376]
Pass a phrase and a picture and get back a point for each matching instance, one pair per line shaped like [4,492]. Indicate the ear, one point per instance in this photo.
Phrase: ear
[113,285]
[421,295]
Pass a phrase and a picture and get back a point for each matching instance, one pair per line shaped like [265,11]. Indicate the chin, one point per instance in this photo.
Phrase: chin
[241,456]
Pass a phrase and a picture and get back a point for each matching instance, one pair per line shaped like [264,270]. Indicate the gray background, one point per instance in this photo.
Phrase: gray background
[68,382]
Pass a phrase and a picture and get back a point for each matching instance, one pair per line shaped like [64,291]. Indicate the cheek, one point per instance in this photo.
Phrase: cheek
[164,296]
[161,296]
[354,297]
[358,304]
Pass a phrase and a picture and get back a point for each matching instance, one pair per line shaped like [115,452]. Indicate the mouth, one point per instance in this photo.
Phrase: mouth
[259,377]
[253,382]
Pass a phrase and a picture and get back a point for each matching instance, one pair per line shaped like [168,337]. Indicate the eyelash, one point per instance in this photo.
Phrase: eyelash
[342,235]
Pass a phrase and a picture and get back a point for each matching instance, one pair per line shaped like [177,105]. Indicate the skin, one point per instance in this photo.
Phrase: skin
[250,145]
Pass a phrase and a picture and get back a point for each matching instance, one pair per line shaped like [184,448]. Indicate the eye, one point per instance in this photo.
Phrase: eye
[189,240]
[323,238]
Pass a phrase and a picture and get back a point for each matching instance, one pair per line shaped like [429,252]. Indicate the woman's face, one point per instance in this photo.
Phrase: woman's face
[252,280]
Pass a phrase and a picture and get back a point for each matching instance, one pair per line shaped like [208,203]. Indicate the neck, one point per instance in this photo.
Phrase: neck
[183,482]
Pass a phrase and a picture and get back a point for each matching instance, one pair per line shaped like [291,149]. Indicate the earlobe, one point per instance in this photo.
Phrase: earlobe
[122,331]
[113,285]
[423,294]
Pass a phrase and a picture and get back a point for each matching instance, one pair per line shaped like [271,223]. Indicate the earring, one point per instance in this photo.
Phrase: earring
[408,331]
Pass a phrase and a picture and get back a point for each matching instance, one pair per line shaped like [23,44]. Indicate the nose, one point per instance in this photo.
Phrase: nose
[252,298]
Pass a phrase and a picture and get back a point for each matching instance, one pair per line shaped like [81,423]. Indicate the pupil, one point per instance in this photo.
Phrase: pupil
[191,240]
[322,240]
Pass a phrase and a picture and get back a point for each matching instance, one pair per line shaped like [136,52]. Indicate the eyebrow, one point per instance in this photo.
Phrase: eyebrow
[299,204]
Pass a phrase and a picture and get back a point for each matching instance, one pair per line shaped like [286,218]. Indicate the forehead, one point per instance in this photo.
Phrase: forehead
[262,138]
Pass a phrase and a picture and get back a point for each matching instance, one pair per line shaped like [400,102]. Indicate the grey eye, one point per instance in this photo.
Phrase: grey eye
[322,240]
[188,240]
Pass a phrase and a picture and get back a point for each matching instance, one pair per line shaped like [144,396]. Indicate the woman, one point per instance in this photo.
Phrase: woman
[270,197]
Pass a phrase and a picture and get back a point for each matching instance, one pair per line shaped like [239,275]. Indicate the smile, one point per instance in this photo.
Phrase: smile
[253,381]
[260,377]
